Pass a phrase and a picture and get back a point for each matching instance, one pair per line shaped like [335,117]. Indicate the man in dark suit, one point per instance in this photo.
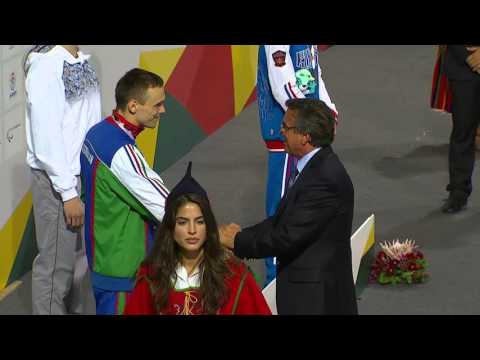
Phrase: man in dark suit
[310,231]
[461,66]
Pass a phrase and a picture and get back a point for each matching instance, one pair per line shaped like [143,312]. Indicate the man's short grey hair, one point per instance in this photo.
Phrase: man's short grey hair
[315,118]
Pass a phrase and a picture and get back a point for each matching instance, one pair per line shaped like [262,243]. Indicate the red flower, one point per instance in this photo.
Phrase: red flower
[410,256]
[382,256]
[390,271]
[412,267]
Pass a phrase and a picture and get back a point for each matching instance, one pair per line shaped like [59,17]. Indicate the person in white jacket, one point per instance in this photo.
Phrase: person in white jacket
[62,104]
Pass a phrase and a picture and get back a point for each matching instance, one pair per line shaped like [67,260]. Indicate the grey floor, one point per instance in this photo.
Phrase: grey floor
[395,149]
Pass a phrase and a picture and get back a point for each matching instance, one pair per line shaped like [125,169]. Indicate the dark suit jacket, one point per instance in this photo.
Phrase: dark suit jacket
[456,67]
[310,236]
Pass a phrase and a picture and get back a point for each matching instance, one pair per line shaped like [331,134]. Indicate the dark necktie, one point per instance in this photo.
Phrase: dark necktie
[293,177]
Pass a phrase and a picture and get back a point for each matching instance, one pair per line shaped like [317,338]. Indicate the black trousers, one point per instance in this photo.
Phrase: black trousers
[466,118]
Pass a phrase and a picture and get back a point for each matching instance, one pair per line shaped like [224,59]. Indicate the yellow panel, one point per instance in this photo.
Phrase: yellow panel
[11,237]
[371,239]
[9,289]
[147,142]
[244,62]
[161,62]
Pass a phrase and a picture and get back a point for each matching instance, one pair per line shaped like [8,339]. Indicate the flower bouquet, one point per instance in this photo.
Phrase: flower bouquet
[399,262]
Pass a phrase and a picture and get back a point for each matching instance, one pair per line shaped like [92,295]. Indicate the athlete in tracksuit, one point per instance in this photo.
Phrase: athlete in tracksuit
[284,72]
[125,199]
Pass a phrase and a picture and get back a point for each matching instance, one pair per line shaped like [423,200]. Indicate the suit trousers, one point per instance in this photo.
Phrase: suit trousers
[60,278]
[466,118]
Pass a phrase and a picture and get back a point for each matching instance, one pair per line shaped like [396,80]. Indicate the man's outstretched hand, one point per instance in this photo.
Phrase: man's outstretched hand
[228,233]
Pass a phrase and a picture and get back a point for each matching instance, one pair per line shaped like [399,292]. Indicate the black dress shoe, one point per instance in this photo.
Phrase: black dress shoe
[453,206]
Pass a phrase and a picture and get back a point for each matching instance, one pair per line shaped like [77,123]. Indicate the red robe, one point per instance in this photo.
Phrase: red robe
[187,302]
[441,96]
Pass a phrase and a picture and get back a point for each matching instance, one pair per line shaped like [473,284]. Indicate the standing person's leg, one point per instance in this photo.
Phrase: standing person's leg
[466,118]
[477,140]
[110,302]
[52,271]
[275,178]
[81,299]
[280,167]
[276,170]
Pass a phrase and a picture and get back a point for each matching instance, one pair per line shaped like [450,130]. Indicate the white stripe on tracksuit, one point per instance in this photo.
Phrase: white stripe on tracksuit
[132,170]
[137,161]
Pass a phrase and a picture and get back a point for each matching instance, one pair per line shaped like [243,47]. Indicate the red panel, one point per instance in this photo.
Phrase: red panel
[323,47]
[252,98]
[203,83]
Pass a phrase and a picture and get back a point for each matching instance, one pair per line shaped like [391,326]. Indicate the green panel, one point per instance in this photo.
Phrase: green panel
[178,133]
[119,227]
[364,270]
[122,301]
[26,253]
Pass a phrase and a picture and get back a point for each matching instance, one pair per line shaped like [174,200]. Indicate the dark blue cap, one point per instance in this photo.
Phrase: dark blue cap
[188,185]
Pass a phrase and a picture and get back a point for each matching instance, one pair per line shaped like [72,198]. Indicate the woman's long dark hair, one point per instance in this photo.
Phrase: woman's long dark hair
[165,256]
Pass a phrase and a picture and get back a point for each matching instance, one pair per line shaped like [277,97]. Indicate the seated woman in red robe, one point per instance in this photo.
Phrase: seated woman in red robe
[188,272]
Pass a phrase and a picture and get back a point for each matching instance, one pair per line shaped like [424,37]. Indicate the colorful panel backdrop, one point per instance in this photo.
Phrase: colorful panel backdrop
[206,86]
